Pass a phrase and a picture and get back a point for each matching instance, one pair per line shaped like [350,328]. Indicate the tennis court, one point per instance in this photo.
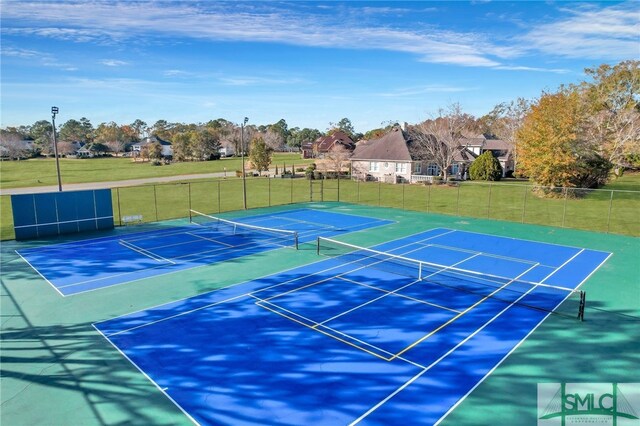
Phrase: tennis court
[403,330]
[92,264]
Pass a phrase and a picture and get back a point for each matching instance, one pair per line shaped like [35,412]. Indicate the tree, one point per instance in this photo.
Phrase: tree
[552,151]
[181,146]
[12,145]
[205,144]
[260,155]
[485,167]
[612,102]
[439,139]
[504,121]
[155,151]
[344,125]
[299,137]
[108,132]
[140,128]
[75,131]
[42,133]
[115,146]
[336,159]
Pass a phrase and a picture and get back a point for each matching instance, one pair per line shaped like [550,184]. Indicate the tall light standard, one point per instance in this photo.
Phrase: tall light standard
[244,178]
[54,111]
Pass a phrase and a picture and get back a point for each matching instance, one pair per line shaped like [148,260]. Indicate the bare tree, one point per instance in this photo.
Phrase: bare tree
[335,160]
[507,119]
[116,146]
[12,147]
[439,139]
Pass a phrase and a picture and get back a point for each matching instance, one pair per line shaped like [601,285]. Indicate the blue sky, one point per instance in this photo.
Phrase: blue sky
[310,63]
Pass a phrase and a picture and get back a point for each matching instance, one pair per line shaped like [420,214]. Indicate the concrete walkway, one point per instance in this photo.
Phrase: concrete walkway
[113,184]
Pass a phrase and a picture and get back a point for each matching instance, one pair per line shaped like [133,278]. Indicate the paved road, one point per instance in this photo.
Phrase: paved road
[113,184]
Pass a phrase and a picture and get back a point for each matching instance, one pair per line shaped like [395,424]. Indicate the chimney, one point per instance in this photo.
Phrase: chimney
[404,125]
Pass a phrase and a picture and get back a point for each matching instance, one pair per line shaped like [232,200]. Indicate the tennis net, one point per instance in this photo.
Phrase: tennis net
[280,237]
[539,296]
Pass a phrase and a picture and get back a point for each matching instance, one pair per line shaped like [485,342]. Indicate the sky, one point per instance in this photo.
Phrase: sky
[311,63]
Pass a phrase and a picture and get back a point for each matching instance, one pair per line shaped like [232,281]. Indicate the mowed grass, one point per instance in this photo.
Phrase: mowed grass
[42,171]
[597,210]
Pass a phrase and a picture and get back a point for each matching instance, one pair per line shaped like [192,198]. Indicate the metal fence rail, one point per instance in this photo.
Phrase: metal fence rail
[610,211]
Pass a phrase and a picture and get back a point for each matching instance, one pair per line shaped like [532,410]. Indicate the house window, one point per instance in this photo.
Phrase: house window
[401,167]
[418,168]
[374,166]
[386,165]
[433,170]
[455,168]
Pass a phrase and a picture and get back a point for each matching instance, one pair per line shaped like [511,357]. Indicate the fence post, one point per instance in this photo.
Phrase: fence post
[402,195]
[429,197]
[358,190]
[609,215]
[564,209]
[219,206]
[338,186]
[489,203]
[119,211]
[379,187]
[524,205]
[155,201]
[291,192]
[269,188]
[189,189]
[458,202]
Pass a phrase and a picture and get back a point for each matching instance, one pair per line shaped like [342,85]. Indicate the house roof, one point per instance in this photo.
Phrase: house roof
[153,139]
[325,143]
[390,147]
[496,145]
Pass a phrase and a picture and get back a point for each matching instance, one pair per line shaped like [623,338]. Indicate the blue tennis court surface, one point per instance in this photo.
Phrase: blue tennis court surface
[354,339]
[86,265]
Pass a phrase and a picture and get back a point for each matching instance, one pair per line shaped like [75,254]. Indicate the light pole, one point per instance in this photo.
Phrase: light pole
[244,178]
[54,111]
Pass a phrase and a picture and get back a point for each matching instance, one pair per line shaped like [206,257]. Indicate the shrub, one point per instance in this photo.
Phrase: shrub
[485,167]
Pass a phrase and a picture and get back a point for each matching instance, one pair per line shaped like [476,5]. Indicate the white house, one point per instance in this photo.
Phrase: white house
[167,149]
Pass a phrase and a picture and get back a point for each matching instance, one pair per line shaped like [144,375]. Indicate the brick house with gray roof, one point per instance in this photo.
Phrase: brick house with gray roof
[389,159]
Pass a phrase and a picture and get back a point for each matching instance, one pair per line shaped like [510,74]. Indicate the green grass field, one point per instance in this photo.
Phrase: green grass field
[42,171]
[613,209]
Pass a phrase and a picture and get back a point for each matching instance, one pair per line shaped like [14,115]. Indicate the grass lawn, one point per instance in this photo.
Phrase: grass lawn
[600,210]
[42,171]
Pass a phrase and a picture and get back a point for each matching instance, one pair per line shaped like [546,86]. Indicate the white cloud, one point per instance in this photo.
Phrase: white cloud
[421,90]
[607,33]
[113,62]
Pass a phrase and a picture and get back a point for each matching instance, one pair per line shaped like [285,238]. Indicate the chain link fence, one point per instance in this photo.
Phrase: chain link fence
[609,211]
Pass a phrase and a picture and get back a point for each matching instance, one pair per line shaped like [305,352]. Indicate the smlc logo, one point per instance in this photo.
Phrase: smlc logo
[614,404]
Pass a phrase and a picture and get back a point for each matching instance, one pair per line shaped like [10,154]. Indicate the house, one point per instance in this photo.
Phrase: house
[324,144]
[390,159]
[167,149]
[479,144]
[227,148]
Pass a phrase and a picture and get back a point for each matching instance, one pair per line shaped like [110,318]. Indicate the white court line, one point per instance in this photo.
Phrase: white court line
[225,288]
[331,330]
[42,276]
[144,252]
[434,363]
[516,346]
[163,390]
[424,302]
[209,239]
[494,256]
